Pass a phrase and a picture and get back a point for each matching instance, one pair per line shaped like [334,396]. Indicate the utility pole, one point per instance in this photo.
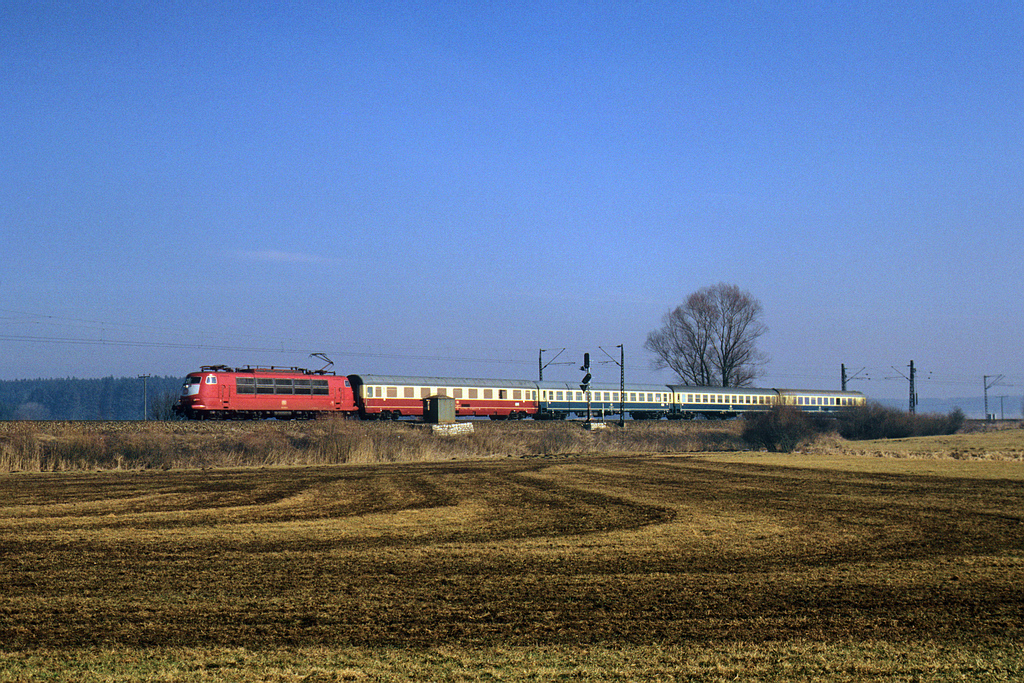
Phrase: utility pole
[622,385]
[913,393]
[622,380]
[849,378]
[145,396]
[541,364]
[988,385]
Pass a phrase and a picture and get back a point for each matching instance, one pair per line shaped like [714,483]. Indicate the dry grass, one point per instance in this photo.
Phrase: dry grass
[738,566]
[70,446]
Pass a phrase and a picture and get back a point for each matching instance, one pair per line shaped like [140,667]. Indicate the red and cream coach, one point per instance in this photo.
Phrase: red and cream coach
[389,397]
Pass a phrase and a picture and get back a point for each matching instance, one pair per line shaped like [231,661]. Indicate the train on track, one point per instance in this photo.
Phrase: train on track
[223,393]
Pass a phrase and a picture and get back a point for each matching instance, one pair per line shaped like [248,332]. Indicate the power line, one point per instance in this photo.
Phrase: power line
[250,349]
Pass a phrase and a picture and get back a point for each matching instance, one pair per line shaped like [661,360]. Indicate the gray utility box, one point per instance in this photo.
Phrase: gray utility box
[439,409]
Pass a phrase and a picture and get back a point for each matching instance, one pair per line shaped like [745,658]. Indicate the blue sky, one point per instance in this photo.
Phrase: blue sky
[445,188]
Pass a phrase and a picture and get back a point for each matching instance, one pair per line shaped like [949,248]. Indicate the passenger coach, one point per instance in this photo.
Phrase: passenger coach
[558,400]
[389,397]
[719,402]
[814,401]
[727,402]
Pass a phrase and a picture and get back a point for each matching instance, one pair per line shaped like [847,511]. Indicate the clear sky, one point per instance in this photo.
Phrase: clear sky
[448,187]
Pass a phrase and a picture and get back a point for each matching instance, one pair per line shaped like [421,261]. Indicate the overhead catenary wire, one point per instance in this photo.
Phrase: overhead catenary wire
[109,331]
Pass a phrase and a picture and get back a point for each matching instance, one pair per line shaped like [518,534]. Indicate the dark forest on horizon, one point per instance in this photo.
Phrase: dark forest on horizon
[107,398]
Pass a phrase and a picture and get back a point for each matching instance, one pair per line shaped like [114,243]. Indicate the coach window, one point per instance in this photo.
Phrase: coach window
[392,392]
[488,393]
[457,393]
[473,393]
[409,392]
[502,394]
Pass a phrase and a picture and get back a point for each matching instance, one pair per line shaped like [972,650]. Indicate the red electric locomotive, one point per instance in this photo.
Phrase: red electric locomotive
[220,392]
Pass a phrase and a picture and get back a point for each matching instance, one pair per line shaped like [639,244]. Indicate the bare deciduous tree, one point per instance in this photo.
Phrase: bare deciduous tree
[711,340]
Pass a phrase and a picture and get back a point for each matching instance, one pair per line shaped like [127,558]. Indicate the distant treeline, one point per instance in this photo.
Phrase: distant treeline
[109,398]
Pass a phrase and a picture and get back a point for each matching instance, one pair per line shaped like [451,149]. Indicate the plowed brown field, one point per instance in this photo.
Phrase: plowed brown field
[599,567]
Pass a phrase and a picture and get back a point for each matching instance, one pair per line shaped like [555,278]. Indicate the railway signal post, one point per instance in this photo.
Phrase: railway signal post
[585,384]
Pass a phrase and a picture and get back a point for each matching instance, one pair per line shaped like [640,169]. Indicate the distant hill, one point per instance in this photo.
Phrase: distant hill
[109,398]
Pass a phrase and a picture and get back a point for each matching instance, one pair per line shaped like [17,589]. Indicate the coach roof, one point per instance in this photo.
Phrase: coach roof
[405,381]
